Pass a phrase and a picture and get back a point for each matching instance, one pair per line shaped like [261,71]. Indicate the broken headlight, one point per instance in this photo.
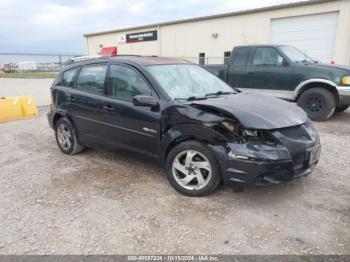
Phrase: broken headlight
[241,134]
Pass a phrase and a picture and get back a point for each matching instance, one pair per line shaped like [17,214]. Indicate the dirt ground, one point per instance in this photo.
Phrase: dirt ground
[105,203]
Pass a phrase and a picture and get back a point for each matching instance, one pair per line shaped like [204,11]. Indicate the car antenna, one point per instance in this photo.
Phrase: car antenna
[305,57]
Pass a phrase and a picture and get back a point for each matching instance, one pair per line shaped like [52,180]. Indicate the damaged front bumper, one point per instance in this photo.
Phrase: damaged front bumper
[264,173]
[295,156]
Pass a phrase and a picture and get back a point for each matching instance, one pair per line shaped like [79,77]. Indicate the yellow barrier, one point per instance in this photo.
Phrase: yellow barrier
[16,108]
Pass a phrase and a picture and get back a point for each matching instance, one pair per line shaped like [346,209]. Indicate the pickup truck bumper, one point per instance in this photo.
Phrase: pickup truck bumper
[344,95]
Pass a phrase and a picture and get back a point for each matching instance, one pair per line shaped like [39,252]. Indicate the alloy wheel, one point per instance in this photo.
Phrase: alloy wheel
[191,170]
[64,136]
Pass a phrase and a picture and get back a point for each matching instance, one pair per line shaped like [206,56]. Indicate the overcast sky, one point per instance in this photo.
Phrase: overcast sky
[57,26]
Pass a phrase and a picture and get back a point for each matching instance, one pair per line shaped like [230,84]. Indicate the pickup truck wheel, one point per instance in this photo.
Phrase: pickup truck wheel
[192,169]
[340,109]
[318,103]
[66,138]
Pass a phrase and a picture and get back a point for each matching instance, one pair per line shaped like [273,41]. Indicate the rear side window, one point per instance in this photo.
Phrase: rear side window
[241,55]
[125,83]
[92,79]
[68,77]
[267,56]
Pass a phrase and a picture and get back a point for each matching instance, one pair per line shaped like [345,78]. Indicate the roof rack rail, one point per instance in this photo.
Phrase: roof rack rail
[83,58]
[127,55]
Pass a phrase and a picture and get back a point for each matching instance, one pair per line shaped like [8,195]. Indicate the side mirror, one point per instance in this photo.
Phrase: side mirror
[285,62]
[146,101]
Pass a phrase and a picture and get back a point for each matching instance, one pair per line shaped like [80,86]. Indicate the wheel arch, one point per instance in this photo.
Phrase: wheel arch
[321,83]
[56,117]
[178,135]
[60,114]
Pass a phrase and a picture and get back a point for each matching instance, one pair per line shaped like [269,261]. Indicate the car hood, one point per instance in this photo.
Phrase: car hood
[330,66]
[257,111]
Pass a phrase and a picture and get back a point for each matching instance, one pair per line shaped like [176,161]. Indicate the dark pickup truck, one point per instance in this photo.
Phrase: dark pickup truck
[286,72]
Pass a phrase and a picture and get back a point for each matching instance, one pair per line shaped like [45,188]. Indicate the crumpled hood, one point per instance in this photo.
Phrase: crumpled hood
[257,111]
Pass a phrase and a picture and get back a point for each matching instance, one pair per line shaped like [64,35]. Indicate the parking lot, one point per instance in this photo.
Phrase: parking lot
[100,202]
[38,88]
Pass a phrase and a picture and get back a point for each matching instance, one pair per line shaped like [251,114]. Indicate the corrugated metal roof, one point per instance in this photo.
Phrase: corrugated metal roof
[244,12]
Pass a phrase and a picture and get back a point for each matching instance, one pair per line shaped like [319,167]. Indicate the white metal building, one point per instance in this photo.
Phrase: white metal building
[319,27]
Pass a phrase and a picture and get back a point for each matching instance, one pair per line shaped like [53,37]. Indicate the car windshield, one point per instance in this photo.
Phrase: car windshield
[186,82]
[295,55]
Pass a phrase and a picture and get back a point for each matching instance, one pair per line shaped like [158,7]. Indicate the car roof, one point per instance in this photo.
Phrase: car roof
[266,45]
[151,60]
[131,59]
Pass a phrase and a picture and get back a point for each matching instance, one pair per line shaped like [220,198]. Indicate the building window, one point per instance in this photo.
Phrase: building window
[201,58]
[227,55]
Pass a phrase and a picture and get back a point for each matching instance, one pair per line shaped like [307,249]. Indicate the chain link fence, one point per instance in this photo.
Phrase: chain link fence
[47,65]
[16,64]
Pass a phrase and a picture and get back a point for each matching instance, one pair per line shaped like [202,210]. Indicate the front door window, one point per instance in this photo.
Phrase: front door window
[125,83]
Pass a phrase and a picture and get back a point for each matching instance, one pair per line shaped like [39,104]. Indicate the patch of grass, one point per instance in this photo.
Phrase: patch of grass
[29,75]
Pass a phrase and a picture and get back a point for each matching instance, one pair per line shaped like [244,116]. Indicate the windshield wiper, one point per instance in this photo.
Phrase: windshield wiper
[219,93]
[191,98]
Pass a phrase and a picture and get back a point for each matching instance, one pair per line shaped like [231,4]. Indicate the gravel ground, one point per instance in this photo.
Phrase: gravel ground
[105,203]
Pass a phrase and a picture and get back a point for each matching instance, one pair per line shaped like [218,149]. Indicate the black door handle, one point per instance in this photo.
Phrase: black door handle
[250,73]
[108,108]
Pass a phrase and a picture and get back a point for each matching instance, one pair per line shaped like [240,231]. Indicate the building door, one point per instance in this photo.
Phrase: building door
[314,34]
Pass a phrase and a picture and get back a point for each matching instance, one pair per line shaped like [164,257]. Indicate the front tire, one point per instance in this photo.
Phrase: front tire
[192,169]
[318,103]
[66,138]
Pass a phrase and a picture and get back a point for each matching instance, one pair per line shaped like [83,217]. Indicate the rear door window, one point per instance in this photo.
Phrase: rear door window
[68,77]
[92,79]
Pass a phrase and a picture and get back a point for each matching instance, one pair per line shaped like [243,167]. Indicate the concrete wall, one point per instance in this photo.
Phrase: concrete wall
[190,38]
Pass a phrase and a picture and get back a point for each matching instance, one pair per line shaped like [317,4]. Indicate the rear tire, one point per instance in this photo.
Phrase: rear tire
[340,109]
[192,169]
[318,103]
[66,138]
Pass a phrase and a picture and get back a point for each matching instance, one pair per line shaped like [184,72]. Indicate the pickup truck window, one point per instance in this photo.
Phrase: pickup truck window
[295,55]
[125,83]
[241,56]
[267,56]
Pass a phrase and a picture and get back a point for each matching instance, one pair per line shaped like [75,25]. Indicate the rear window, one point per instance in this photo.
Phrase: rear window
[241,56]
[68,77]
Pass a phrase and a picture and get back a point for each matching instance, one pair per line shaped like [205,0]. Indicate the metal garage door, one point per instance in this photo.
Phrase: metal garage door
[314,34]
